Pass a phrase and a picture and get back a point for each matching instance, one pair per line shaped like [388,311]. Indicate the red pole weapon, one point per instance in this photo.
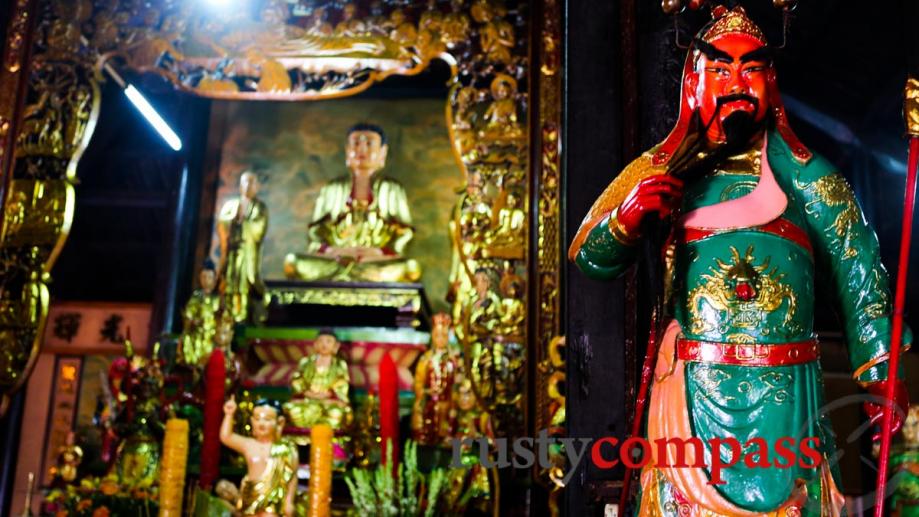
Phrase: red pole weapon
[911,113]
[647,370]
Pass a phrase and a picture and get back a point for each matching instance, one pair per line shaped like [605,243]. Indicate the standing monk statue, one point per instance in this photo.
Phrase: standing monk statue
[754,216]
[241,227]
[361,223]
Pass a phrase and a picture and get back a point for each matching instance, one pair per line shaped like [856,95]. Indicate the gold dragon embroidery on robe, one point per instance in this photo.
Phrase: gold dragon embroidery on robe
[720,299]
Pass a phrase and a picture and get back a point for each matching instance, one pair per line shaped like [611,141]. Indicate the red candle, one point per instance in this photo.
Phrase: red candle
[215,374]
[389,408]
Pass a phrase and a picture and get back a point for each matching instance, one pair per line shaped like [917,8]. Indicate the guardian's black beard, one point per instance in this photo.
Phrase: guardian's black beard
[739,128]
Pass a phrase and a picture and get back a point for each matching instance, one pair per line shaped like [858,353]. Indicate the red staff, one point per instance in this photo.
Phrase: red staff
[911,112]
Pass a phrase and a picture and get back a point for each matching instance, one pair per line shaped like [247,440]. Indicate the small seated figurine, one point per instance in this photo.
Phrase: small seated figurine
[361,222]
[200,319]
[502,124]
[508,233]
[270,484]
[434,377]
[320,387]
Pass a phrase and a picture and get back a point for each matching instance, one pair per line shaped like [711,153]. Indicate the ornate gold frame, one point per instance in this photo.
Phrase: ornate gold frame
[274,55]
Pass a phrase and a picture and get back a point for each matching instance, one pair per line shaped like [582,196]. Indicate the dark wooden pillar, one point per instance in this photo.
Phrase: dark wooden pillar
[592,149]
[621,89]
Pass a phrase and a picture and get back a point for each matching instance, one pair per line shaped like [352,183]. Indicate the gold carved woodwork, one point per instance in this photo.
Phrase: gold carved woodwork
[314,51]
[55,122]
[550,371]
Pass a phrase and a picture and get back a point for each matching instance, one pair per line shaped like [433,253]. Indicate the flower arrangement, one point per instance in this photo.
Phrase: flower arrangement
[407,493]
[100,497]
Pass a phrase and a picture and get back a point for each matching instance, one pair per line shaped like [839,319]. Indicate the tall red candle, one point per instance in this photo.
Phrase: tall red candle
[389,408]
[215,374]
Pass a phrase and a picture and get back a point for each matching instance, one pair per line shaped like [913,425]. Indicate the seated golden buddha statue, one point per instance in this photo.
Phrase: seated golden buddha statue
[320,387]
[361,223]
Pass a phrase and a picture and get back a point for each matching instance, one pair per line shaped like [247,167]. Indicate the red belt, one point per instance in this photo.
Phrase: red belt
[780,227]
[748,354]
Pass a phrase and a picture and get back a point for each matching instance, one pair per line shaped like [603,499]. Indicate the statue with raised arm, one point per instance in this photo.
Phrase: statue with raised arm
[755,216]
[270,485]
[361,223]
[241,227]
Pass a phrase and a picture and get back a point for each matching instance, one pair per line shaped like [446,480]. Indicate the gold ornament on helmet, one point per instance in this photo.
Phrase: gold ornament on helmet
[734,21]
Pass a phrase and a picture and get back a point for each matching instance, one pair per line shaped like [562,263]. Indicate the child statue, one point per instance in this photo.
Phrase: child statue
[320,387]
[434,378]
[270,484]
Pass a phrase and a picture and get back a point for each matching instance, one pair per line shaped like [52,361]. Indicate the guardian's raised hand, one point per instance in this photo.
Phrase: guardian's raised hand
[659,194]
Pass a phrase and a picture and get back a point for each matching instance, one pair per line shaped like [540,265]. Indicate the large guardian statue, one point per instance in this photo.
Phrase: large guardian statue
[755,215]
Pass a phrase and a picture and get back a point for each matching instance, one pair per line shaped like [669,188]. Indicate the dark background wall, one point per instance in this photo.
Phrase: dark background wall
[593,154]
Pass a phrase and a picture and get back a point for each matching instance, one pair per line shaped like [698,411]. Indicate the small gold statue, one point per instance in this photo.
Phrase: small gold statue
[428,42]
[349,24]
[317,24]
[272,76]
[320,387]
[512,311]
[501,121]
[200,319]
[483,311]
[361,223]
[508,236]
[455,25]
[469,232]
[434,377]
[482,352]
[469,422]
[69,457]
[431,18]
[270,484]
[464,116]
[241,226]
[497,39]
[400,30]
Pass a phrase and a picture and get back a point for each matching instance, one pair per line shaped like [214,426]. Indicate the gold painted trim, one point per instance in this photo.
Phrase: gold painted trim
[345,296]
[871,363]
[619,232]
[911,106]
